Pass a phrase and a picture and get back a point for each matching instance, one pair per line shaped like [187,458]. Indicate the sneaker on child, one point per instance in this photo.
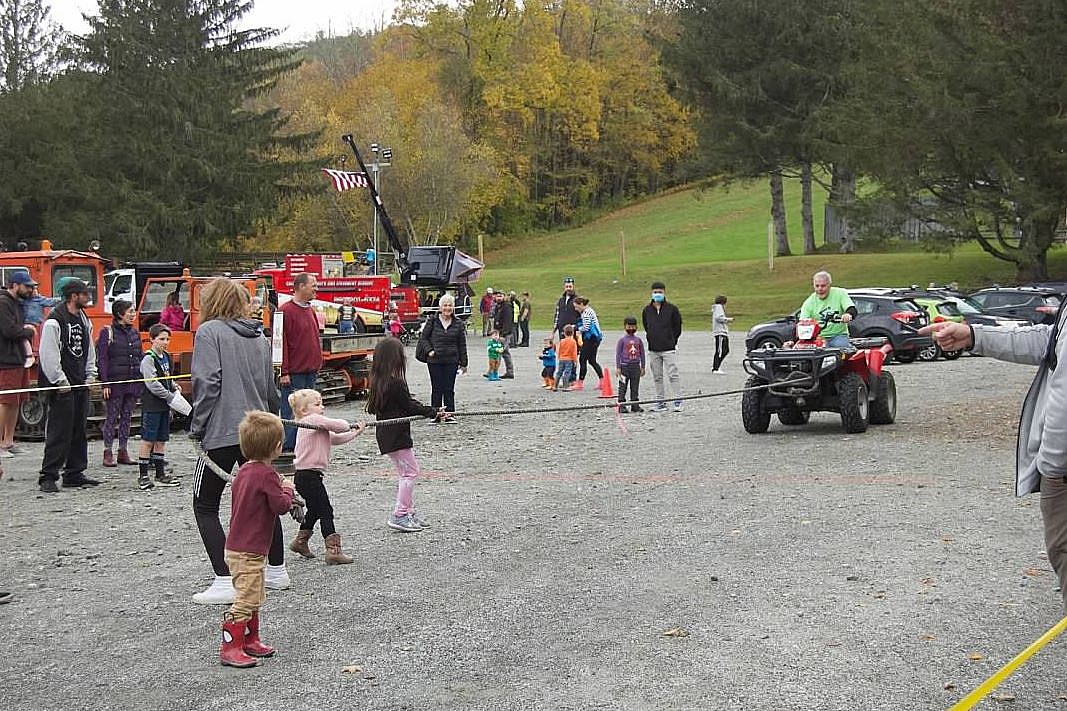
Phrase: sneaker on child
[276,577]
[404,524]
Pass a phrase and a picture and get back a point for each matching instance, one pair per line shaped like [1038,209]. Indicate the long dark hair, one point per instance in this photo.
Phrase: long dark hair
[390,363]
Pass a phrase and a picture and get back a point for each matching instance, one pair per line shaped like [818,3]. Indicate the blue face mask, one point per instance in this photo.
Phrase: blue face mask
[658,298]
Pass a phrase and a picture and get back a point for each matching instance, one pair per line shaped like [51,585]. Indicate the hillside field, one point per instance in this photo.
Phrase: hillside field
[703,243]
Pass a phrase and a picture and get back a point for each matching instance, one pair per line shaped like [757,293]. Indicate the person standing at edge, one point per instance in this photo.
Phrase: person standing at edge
[720,331]
[301,348]
[524,320]
[1041,448]
[67,358]
[565,314]
[231,374]
[14,339]
[663,326]
[504,322]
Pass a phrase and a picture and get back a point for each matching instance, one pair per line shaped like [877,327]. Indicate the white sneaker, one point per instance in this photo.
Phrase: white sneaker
[276,577]
[6,453]
[720,371]
[220,592]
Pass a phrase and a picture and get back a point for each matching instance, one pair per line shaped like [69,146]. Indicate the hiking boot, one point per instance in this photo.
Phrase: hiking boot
[124,457]
[334,554]
[144,483]
[220,592]
[404,524]
[109,458]
[166,480]
[507,376]
[636,408]
[48,486]
[300,543]
[79,480]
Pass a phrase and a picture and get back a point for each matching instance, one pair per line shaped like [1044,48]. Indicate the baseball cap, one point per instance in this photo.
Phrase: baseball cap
[489,290]
[21,277]
[568,280]
[74,285]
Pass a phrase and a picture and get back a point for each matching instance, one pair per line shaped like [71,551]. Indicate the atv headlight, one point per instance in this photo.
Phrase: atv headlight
[828,362]
[757,363]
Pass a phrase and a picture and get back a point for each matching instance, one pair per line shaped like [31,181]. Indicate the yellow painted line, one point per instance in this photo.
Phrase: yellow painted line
[971,699]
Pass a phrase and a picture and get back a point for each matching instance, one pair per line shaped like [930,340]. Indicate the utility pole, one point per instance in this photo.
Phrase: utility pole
[382,157]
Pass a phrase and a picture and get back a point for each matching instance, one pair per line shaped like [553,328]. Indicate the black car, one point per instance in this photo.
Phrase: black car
[877,314]
[972,311]
[1033,304]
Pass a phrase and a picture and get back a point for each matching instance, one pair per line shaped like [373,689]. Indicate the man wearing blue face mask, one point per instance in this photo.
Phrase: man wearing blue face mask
[663,326]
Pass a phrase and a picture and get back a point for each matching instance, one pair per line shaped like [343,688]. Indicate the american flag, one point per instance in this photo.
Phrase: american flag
[346,179]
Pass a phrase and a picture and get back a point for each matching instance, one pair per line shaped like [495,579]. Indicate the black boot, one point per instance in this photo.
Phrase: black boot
[76,481]
[162,478]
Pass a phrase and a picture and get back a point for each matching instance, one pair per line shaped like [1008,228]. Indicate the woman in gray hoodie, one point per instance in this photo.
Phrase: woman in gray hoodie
[232,373]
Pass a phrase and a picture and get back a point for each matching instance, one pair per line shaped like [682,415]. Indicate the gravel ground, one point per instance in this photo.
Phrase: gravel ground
[805,568]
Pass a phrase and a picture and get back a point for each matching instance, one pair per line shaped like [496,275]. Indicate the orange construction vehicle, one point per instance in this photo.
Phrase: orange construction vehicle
[47,266]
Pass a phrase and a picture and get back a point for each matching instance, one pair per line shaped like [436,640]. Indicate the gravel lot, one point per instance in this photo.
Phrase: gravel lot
[807,568]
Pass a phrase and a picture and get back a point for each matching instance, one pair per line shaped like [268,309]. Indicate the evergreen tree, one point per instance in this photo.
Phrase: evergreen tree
[29,43]
[186,161]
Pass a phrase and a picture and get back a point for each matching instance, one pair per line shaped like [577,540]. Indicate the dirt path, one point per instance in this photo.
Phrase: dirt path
[808,569]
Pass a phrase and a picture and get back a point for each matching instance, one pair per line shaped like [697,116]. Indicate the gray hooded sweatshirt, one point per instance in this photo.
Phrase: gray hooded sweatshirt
[1042,444]
[231,374]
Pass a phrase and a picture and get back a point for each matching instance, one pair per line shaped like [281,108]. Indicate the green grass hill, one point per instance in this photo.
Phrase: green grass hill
[703,243]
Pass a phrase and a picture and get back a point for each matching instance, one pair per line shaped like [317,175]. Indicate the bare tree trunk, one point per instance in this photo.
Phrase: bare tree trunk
[778,215]
[805,208]
[842,197]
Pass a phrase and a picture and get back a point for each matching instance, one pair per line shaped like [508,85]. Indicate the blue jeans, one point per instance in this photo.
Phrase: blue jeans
[839,341]
[345,327]
[297,381]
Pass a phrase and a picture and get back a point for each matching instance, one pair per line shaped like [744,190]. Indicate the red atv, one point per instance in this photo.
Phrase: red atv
[810,377]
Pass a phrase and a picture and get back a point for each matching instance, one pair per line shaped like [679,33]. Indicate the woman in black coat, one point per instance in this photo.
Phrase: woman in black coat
[443,347]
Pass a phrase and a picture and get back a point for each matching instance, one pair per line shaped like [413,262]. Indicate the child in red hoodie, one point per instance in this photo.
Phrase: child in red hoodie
[260,496]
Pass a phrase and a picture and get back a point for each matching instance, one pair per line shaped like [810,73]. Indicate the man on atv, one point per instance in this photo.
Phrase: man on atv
[832,308]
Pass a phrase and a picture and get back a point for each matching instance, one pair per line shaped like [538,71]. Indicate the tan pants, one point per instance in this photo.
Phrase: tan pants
[1054,515]
[247,571]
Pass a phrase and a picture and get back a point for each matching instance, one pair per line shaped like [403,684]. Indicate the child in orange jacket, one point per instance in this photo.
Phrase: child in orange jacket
[567,359]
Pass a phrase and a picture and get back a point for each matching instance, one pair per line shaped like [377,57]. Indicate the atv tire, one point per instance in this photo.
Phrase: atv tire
[883,410]
[852,392]
[754,416]
[792,416]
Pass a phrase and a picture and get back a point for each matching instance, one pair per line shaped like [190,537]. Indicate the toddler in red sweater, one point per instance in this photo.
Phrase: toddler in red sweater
[260,496]
[311,456]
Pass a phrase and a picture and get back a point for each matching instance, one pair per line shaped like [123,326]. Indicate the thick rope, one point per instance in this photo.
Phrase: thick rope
[612,405]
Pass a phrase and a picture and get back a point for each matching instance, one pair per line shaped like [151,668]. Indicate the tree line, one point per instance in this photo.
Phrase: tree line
[165,131]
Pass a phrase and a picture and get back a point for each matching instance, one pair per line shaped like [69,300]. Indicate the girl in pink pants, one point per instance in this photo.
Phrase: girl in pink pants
[389,398]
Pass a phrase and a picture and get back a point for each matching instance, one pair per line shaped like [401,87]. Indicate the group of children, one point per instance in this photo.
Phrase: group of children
[560,365]
[260,494]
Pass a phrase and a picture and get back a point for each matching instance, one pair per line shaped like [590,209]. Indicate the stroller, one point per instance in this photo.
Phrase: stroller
[398,330]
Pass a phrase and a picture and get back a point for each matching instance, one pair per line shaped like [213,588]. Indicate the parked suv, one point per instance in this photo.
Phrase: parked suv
[1033,304]
[877,314]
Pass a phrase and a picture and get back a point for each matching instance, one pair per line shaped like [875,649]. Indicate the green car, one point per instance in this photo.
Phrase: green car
[938,310]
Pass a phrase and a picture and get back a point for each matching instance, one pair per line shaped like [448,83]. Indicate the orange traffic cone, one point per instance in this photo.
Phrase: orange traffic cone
[606,390]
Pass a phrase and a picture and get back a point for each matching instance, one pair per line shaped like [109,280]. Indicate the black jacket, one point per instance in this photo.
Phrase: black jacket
[448,344]
[663,327]
[396,402]
[13,332]
[565,313]
[504,318]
